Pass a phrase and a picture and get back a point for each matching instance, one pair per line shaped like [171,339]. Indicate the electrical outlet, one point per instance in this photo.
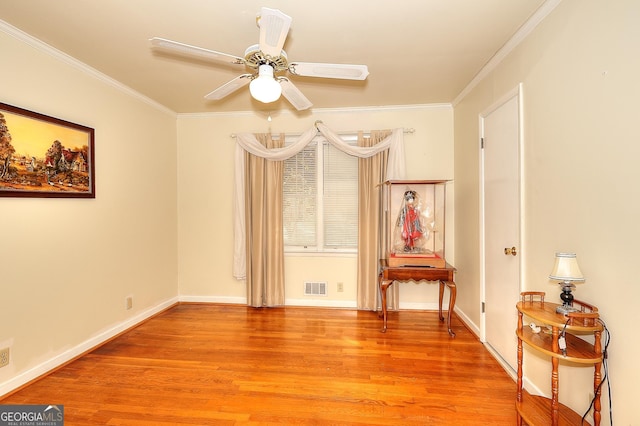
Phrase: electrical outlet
[4,357]
[129,302]
[340,287]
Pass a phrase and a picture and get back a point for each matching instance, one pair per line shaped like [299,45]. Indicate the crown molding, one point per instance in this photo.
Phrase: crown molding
[522,33]
[73,62]
[316,111]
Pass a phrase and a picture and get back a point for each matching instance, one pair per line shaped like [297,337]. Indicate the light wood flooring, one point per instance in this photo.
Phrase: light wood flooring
[209,364]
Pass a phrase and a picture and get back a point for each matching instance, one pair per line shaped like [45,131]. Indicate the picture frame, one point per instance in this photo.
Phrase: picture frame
[43,156]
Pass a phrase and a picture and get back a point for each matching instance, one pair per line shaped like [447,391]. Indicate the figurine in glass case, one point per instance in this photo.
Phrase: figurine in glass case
[413,213]
[409,226]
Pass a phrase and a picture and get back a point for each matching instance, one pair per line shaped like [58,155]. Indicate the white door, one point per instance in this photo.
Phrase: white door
[500,128]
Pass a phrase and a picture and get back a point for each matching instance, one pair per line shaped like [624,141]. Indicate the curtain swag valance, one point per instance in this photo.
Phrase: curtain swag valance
[248,142]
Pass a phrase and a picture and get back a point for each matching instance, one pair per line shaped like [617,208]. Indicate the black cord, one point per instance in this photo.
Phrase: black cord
[605,377]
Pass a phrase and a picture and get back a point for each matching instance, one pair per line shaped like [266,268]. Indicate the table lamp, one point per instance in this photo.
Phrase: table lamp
[567,271]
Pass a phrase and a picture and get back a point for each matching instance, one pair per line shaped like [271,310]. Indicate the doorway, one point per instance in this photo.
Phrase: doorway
[501,138]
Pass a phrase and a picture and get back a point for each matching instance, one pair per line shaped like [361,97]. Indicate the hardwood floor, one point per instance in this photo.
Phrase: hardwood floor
[203,364]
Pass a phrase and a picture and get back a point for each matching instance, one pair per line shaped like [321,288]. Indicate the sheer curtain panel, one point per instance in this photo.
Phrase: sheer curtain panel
[263,218]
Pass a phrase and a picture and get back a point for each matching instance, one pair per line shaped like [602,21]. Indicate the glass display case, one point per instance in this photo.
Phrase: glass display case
[414,214]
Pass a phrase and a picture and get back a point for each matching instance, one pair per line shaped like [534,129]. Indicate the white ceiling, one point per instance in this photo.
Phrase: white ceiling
[417,51]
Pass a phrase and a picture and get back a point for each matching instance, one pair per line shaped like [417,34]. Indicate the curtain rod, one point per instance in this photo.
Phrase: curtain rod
[405,130]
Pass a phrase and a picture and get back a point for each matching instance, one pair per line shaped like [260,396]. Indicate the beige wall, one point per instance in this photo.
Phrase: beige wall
[579,71]
[205,176]
[67,265]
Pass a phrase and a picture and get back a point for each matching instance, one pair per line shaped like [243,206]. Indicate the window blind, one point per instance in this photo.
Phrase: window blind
[320,199]
[300,198]
[340,199]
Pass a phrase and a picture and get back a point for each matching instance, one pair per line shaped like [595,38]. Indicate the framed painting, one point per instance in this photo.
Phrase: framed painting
[42,156]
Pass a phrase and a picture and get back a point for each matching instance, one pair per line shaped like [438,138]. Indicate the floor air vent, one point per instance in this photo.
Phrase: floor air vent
[315,288]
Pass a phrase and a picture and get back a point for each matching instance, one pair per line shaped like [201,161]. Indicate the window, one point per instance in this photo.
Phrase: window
[320,200]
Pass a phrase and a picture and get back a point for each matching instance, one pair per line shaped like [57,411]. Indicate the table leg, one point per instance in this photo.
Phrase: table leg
[440,296]
[384,285]
[452,301]
[453,291]
[519,373]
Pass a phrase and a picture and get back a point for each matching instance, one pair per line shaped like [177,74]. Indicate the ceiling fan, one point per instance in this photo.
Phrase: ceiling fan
[268,62]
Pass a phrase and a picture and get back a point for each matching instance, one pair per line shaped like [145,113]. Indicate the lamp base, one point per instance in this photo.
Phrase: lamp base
[564,310]
[567,299]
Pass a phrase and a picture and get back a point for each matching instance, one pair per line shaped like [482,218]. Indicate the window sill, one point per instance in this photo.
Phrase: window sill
[320,254]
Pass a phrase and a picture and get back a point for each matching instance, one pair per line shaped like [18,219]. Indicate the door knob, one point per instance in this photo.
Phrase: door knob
[510,251]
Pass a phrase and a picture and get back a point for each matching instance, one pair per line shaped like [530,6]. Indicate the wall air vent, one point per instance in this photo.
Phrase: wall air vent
[315,288]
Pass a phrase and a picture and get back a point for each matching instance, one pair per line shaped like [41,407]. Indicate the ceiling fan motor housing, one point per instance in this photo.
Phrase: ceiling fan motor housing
[254,57]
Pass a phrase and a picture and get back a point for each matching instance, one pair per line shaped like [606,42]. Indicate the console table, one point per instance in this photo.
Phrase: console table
[390,274]
[539,410]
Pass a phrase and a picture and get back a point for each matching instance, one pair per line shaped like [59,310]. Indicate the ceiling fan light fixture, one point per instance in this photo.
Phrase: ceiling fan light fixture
[265,88]
[270,62]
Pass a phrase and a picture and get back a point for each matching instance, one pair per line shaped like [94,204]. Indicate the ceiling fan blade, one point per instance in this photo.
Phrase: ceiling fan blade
[200,52]
[343,71]
[274,26]
[294,95]
[229,87]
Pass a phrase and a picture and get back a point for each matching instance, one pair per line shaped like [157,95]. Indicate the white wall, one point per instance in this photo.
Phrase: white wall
[205,176]
[67,265]
[579,71]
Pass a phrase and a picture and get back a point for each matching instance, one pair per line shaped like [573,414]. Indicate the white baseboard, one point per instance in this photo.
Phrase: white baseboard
[533,389]
[312,303]
[213,299]
[468,322]
[68,355]
[317,303]
[504,364]
[418,306]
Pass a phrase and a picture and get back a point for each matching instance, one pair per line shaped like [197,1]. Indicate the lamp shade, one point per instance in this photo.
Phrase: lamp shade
[265,88]
[566,268]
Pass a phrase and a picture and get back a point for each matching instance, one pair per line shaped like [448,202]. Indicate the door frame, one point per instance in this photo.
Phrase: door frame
[515,92]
